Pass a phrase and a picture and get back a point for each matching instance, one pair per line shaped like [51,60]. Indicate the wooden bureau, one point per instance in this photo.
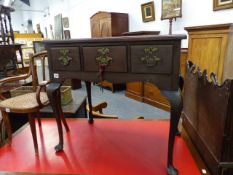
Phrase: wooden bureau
[154,59]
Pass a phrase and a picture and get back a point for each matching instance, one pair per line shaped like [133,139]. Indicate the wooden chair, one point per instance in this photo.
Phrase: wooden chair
[29,103]
[97,111]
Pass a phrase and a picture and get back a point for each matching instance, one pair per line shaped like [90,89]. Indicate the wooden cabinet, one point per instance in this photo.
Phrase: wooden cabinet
[107,24]
[208,49]
[149,93]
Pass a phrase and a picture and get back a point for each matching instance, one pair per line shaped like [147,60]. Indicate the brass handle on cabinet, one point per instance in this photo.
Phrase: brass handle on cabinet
[150,60]
[65,59]
[104,59]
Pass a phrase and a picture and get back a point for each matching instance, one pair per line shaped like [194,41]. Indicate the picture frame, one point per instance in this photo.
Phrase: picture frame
[38,46]
[65,22]
[171,9]
[67,34]
[58,27]
[148,11]
[222,4]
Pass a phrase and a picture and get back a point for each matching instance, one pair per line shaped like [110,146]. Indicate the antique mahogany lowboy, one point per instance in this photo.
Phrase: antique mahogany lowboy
[153,59]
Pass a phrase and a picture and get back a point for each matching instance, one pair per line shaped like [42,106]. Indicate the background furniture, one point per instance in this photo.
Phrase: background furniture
[97,111]
[8,48]
[11,57]
[208,119]
[7,36]
[107,24]
[208,49]
[149,93]
[7,61]
[151,58]
[26,40]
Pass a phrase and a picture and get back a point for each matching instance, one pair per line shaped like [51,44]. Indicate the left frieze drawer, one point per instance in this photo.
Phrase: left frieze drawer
[65,58]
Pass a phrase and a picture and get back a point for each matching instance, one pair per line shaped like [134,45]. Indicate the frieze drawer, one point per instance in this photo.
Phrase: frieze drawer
[152,59]
[113,58]
[65,58]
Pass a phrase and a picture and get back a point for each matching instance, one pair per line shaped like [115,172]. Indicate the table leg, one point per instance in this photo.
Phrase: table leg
[88,88]
[53,91]
[175,100]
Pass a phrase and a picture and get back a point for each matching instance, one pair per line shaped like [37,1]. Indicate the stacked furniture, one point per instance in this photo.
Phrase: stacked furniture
[8,59]
[7,35]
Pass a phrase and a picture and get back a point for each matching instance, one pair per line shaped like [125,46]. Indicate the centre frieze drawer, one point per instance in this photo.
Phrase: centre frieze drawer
[113,58]
[152,59]
[65,58]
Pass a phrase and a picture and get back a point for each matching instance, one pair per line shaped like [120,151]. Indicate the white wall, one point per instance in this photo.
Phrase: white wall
[17,21]
[198,12]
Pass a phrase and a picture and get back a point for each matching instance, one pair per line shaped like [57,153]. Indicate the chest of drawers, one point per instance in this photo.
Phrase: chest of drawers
[150,58]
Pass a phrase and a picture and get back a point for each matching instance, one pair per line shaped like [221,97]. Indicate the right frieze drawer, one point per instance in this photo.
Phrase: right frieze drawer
[152,59]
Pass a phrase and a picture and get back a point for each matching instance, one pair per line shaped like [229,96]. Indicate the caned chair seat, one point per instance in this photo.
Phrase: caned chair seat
[24,102]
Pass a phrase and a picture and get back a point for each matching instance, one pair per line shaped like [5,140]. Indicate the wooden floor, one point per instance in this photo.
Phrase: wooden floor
[107,147]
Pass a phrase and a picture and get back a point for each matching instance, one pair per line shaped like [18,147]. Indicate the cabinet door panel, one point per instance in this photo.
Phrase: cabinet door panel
[95,29]
[105,27]
[206,52]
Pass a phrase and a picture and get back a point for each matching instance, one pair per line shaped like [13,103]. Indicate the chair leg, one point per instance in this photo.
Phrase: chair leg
[6,120]
[38,118]
[33,131]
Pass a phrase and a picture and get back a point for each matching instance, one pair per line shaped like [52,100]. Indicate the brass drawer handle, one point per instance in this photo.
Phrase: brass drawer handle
[150,60]
[65,59]
[103,59]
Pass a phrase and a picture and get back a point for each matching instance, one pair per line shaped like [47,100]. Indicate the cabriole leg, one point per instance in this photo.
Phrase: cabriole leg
[175,100]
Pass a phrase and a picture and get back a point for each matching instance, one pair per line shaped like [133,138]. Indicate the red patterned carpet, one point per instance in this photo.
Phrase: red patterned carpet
[108,147]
